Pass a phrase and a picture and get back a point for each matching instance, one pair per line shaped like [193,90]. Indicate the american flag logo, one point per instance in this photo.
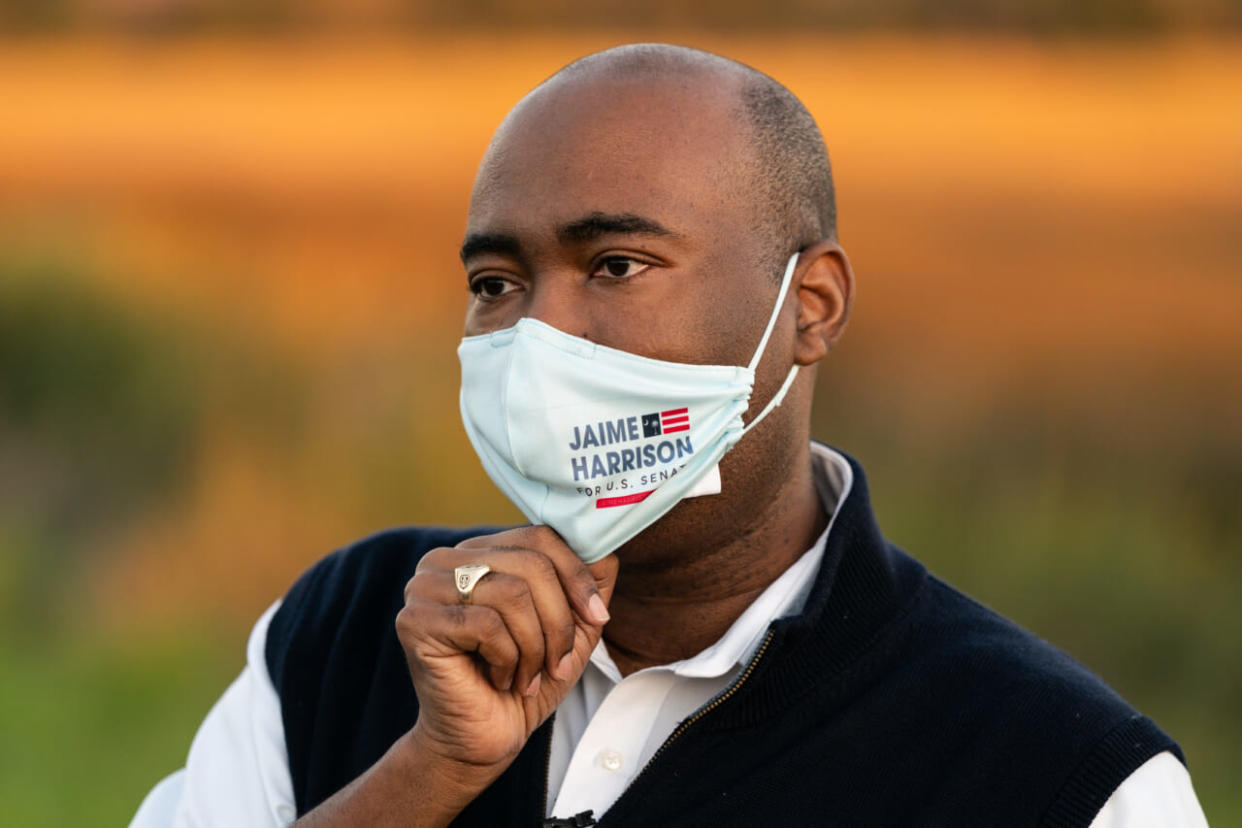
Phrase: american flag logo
[666,422]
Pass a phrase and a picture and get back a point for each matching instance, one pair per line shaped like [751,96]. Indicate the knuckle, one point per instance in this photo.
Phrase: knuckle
[456,615]
[562,638]
[505,657]
[432,559]
[551,541]
[527,635]
[406,622]
[545,533]
[533,649]
[490,623]
[514,593]
[417,585]
[583,577]
[539,564]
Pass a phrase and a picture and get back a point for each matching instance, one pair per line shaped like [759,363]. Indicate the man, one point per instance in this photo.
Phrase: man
[724,638]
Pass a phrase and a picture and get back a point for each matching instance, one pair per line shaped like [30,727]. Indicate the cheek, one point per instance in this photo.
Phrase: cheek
[700,319]
[646,325]
[733,320]
[482,317]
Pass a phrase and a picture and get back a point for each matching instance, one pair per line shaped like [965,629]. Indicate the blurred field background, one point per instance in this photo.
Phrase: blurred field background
[230,300]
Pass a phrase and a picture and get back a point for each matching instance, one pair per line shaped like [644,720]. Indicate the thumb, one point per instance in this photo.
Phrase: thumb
[604,571]
[586,634]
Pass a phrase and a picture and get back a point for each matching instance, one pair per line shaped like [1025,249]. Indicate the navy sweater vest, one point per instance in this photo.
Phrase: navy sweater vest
[892,700]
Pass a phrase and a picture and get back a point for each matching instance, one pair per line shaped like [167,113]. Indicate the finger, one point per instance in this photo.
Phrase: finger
[577,580]
[556,617]
[604,571]
[509,553]
[524,588]
[508,596]
[511,596]
[430,630]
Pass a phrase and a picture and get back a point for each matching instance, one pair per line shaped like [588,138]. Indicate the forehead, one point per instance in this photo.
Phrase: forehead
[674,148]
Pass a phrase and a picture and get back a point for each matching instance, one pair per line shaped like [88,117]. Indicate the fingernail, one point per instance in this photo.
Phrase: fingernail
[533,687]
[565,666]
[508,682]
[598,611]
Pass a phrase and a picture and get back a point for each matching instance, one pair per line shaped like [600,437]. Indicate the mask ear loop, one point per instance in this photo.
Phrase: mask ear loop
[776,311]
[779,397]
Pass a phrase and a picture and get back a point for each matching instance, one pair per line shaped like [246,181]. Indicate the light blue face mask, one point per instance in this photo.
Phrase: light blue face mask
[600,443]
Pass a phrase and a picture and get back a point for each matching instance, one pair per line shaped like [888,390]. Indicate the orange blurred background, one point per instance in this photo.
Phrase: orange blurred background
[230,300]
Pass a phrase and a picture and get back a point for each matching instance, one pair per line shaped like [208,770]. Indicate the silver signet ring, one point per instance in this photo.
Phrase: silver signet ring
[467,577]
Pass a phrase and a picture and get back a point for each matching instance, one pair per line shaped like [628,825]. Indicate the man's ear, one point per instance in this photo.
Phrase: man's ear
[825,288]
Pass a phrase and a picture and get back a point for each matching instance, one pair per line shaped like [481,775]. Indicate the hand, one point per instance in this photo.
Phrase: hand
[488,673]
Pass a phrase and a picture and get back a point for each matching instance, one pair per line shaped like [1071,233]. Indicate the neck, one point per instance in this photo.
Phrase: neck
[702,593]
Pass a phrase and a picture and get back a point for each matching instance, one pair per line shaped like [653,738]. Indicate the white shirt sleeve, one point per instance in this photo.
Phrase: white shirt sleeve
[237,772]
[1157,795]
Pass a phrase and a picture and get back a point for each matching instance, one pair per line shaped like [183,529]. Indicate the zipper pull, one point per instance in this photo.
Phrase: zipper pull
[582,820]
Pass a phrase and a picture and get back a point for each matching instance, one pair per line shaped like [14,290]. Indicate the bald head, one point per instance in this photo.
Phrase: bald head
[781,172]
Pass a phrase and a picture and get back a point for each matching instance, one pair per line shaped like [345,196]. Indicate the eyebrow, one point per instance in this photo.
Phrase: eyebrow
[593,226]
[587,228]
[500,243]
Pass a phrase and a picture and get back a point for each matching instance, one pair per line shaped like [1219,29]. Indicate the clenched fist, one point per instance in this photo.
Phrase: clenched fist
[489,672]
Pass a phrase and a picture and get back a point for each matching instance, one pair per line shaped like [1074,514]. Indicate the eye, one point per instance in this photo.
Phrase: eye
[620,267]
[491,287]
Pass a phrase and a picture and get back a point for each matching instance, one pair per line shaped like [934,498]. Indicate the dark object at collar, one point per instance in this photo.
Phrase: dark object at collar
[582,820]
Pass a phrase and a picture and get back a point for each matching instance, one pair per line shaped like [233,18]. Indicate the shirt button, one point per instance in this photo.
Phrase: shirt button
[611,760]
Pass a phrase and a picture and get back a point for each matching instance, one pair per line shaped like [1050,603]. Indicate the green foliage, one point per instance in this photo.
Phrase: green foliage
[97,421]
[95,406]
[90,726]
[102,408]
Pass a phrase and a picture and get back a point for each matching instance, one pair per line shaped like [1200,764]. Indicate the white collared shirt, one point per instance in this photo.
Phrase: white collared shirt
[606,730]
[608,727]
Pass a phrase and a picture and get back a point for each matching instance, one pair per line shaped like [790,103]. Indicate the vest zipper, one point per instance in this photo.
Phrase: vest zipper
[702,711]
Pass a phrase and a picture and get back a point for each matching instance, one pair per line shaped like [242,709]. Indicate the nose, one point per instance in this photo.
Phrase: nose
[556,298]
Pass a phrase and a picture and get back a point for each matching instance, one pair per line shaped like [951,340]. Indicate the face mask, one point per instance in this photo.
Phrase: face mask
[600,443]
